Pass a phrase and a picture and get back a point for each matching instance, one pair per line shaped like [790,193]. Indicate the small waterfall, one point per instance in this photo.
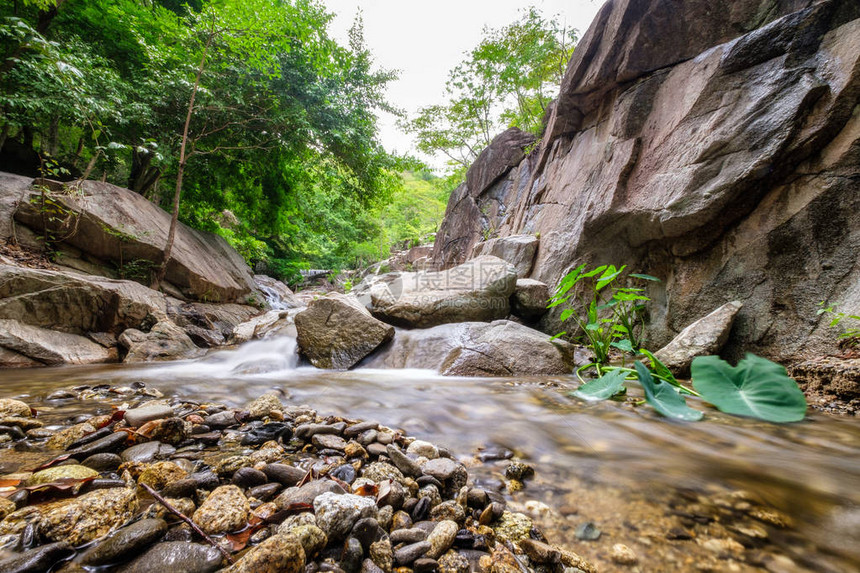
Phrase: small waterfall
[266,356]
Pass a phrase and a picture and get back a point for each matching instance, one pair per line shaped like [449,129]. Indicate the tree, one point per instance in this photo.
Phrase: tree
[505,81]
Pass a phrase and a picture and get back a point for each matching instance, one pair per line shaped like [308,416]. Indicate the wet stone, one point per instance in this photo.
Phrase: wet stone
[137,417]
[376,449]
[623,555]
[62,439]
[307,431]
[102,462]
[181,488]
[161,474]
[89,516]
[147,452]
[60,472]
[266,433]
[109,444]
[277,554]
[125,542]
[205,479]
[225,510]
[265,492]
[38,559]
[422,448]
[519,471]
[421,510]
[284,474]
[249,477]
[442,538]
[368,566]
[176,556]
[169,431]
[308,493]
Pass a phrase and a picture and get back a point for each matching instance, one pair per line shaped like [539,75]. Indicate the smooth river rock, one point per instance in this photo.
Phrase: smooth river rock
[176,556]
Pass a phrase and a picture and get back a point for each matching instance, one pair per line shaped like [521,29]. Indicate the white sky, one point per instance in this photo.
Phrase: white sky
[425,39]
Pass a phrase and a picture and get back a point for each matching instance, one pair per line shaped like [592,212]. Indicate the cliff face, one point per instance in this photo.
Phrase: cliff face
[714,146]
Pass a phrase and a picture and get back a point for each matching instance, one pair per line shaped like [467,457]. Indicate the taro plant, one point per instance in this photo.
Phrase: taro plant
[756,388]
[607,313]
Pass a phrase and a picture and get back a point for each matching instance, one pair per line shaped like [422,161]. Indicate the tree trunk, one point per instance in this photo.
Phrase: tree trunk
[174,219]
[143,175]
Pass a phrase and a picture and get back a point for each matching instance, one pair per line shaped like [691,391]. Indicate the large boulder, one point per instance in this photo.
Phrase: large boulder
[75,303]
[336,331]
[530,299]
[478,290]
[519,250]
[704,337]
[112,226]
[48,347]
[714,149]
[499,348]
[164,341]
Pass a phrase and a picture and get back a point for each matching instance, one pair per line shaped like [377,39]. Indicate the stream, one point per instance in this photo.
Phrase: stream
[662,488]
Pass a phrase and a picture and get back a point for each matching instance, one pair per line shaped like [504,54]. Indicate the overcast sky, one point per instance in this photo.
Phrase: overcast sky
[425,39]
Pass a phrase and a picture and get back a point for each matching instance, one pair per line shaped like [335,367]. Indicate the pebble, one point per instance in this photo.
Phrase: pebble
[329,441]
[147,452]
[409,553]
[177,556]
[284,474]
[411,535]
[422,448]
[65,438]
[221,420]
[277,554]
[87,517]
[623,555]
[441,538]
[336,514]
[249,477]
[265,492]
[102,462]
[587,532]
[360,428]
[160,474]
[226,509]
[404,463]
[266,406]
[139,416]
[109,444]
[366,530]
[352,554]
[307,493]
[125,542]
[56,473]
[39,559]
[10,408]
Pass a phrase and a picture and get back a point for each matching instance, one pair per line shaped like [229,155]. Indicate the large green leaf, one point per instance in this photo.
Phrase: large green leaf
[663,397]
[755,387]
[604,387]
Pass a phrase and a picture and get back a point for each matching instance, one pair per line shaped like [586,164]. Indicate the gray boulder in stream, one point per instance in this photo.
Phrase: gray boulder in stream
[337,332]
[500,348]
[478,290]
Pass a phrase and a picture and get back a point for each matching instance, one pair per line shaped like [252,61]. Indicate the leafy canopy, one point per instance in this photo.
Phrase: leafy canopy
[507,80]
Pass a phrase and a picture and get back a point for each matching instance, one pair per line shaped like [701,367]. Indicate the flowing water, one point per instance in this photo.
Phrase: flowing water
[671,491]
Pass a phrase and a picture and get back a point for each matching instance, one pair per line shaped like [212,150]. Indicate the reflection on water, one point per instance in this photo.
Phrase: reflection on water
[809,470]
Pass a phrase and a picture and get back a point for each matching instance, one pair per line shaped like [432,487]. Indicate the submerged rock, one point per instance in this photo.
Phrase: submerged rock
[176,556]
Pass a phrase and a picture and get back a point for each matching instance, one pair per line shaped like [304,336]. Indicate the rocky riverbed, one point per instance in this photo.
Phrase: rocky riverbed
[95,480]
[192,486]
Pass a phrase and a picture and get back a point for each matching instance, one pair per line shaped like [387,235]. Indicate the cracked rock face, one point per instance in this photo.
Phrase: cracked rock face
[714,149]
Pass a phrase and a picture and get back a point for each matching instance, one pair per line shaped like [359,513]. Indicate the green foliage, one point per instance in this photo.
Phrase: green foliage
[756,387]
[602,388]
[849,335]
[283,131]
[607,314]
[507,80]
[664,398]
